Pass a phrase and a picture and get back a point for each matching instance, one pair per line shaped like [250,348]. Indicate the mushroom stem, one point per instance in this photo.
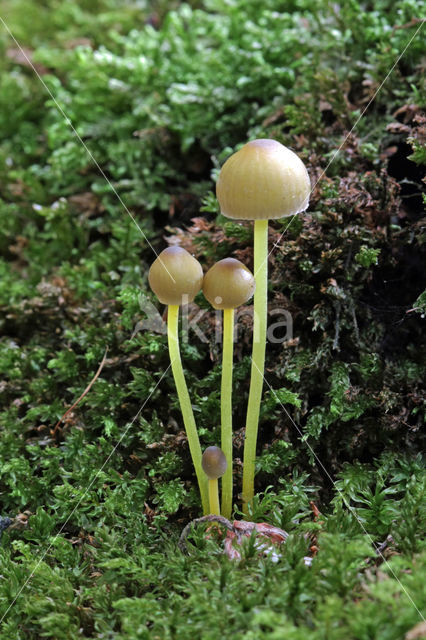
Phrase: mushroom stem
[214,496]
[258,357]
[226,408]
[185,402]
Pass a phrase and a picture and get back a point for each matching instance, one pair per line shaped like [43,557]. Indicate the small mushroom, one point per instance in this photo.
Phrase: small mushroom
[228,284]
[262,180]
[176,278]
[214,466]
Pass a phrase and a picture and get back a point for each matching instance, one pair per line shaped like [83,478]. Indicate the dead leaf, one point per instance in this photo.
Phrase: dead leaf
[24,57]
[419,631]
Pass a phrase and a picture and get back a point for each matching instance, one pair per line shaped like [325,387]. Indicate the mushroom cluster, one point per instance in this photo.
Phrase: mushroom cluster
[263,180]
[176,277]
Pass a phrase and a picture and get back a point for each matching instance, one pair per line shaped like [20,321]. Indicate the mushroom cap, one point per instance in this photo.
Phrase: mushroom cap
[175,276]
[214,462]
[261,181]
[228,284]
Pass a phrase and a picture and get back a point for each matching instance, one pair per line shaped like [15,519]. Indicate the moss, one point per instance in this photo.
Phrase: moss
[161,94]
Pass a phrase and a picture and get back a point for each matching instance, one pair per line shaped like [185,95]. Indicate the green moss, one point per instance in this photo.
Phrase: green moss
[161,94]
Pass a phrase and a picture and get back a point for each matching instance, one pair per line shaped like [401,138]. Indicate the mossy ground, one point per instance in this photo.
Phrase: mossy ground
[160,94]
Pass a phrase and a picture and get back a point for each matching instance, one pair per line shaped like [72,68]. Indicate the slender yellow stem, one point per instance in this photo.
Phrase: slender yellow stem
[185,402]
[214,496]
[226,408]
[258,357]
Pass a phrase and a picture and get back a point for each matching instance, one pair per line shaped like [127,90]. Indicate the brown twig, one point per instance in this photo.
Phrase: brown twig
[410,24]
[85,392]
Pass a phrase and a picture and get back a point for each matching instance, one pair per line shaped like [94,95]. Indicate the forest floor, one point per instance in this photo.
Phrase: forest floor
[115,118]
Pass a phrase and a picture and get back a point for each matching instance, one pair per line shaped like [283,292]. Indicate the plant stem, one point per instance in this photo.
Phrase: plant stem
[214,496]
[185,402]
[258,357]
[226,408]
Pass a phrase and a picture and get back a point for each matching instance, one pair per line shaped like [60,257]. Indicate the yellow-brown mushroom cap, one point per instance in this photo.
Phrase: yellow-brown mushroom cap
[228,284]
[214,462]
[261,181]
[175,276]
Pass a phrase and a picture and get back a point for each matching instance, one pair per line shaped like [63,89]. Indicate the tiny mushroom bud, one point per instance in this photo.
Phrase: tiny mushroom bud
[214,466]
[214,463]
[175,276]
[228,284]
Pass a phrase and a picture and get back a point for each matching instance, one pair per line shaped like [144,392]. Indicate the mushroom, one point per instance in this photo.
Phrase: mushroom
[227,285]
[261,181]
[176,277]
[214,466]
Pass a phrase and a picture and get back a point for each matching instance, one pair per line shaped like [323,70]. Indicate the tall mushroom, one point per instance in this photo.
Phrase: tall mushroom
[176,277]
[227,285]
[261,181]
